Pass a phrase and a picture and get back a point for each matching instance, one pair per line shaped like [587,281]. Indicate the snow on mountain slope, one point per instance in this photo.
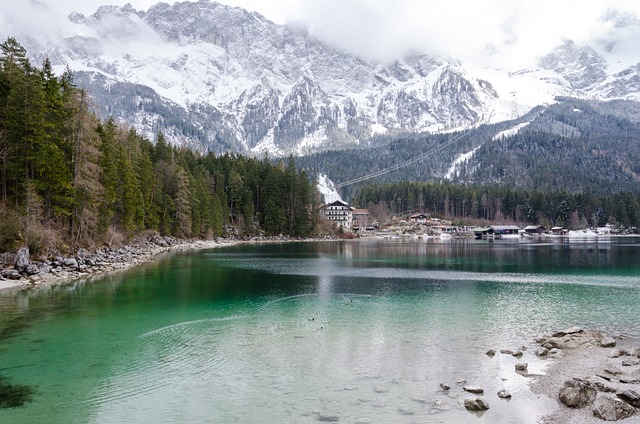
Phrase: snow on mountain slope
[223,78]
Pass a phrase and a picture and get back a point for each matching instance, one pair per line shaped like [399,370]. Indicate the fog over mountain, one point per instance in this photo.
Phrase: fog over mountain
[221,78]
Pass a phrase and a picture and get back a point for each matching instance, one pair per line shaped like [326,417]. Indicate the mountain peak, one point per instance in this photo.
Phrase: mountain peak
[238,80]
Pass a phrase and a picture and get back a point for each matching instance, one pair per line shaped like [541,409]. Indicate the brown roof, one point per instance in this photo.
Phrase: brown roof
[361,211]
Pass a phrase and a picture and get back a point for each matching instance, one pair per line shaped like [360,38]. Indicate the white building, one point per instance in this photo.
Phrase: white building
[340,213]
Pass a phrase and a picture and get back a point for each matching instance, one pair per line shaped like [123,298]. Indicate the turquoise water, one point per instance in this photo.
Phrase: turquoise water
[365,330]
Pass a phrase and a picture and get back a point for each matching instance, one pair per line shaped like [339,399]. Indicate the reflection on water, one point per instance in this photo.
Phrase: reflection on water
[278,333]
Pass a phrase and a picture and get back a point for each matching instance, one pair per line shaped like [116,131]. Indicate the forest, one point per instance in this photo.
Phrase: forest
[71,179]
[483,204]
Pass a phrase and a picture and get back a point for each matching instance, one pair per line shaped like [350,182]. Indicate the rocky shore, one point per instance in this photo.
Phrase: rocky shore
[20,271]
[593,377]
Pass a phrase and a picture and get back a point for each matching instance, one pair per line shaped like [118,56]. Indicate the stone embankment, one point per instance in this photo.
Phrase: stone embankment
[20,271]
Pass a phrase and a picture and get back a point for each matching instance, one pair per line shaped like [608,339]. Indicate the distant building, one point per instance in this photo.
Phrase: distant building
[534,229]
[419,218]
[360,218]
[340,213]
[505,229]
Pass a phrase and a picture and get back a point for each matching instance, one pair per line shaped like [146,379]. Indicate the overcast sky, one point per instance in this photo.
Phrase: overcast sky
[464,28]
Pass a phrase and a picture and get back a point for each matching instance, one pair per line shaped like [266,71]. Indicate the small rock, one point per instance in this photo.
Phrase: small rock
[504,394]
[572,330]
[577,393]
[476,404]
[518,354]
[630,362]
[70,263]
[607,342]
[473,389]
[522,366]
[541,351]
[600,386]
[461,382]
[631,397]
[491,353]
[610,408]
[11,274]
[444,386]
[615,353]
[613,371]
[554,351]
[32,269]
[506,351]
[629,380]
[603,375]
[380,389]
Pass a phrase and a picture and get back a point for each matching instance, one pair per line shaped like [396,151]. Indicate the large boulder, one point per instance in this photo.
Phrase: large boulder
[609,408]
[578,393]
[22,259]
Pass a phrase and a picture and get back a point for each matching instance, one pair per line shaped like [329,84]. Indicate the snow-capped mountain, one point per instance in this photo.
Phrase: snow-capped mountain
[224,79]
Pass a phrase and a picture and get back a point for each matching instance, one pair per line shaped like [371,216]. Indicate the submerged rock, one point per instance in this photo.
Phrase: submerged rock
[444,386]
[380,389]
[473,389]
[577,393]
[328,417]
[476,404]
[610,408]
[440,405]
[522,366]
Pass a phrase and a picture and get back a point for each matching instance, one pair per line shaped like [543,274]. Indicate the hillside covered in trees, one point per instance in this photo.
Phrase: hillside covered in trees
[69,179]
[495,204]
[573,145]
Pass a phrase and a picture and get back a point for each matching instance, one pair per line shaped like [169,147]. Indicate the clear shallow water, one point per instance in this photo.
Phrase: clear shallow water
[278,333]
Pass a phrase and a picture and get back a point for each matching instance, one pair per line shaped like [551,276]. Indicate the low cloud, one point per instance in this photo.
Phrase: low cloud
[497,32]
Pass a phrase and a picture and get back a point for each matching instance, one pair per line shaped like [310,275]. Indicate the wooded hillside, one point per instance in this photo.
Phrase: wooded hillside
[68,179]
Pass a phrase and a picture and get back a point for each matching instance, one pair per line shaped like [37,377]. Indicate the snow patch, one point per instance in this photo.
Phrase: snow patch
[267,145]
[459,160]
[378,129]
[510,132]
[311,141]
[327,189]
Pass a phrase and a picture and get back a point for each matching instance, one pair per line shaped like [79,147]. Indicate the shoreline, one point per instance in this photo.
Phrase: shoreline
[607,366]
[85,265]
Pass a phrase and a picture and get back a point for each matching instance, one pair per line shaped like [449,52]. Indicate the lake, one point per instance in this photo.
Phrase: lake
[363,331]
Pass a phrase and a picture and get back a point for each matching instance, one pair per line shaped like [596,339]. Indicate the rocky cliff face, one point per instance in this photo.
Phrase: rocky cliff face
[220,78]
